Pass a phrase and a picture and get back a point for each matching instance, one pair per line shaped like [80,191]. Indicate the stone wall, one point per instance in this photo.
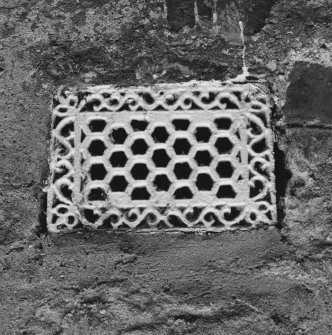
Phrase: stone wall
[274,281]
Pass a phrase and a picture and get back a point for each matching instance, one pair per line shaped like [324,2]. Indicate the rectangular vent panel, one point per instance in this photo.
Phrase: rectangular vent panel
[185,156]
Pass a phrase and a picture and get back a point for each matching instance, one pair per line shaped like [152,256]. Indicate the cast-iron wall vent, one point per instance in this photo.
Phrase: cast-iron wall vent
[193,156]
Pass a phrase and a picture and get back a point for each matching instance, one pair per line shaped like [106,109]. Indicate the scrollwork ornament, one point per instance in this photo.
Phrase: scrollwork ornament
[230,187]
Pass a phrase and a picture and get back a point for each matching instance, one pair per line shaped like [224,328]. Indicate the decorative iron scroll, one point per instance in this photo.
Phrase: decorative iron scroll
[185,156]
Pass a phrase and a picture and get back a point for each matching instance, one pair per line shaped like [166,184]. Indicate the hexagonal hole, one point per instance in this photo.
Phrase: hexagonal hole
[203,134]
[97,148]
[161,182]
[203,158]
[223,123]
[118,159]
[118,184]
[139,125]
[97,125]
[181,146]
[225,169]
[160,135]
[140,171]
[224,145]
[183,193]
[139,147]
[160,158]
[204,182]
[226,192]
[181,124]
[182,170]
[140,193]
[97,194]
[118,136]
[97,172]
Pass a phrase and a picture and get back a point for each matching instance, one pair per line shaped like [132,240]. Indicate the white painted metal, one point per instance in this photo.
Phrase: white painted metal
[219,172]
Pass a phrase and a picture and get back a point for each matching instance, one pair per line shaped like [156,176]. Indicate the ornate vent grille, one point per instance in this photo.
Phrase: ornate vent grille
[186,156]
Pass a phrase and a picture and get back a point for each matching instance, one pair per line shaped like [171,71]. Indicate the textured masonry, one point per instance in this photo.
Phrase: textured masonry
[183,156]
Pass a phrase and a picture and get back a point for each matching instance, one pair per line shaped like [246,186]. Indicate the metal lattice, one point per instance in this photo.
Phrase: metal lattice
[185,156]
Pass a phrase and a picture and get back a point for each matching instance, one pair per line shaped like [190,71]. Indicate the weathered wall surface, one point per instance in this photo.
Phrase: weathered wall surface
[275,281]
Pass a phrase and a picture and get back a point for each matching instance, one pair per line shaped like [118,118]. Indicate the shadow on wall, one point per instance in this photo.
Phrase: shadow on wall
[282,178]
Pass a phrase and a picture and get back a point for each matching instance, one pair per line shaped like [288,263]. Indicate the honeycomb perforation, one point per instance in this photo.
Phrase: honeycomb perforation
[183,156]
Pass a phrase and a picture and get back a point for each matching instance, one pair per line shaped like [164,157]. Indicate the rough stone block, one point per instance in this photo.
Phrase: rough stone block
[309,95]
[308,200]
[180,14]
